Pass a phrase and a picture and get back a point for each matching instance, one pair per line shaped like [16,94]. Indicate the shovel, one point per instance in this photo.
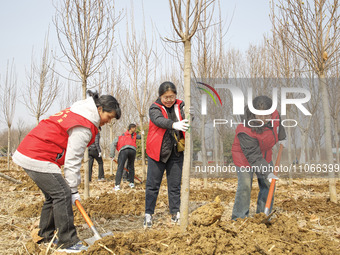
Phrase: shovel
[272,184]
[89,222]
[128,171]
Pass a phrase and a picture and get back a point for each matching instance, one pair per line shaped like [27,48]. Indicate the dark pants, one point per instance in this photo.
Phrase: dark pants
[155,173]
[93,155]
[56,213]
[242,197]
[129,155]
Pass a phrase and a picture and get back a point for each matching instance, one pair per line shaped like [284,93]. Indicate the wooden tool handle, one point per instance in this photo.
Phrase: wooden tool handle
[83,213]
[272,184]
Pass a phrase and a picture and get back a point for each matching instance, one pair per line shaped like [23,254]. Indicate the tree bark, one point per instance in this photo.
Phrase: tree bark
[143,147]
[187,153]
[290,159]
[303,147]
[86,154]
[204,152]
[328,136]
[111,140]
[9,147]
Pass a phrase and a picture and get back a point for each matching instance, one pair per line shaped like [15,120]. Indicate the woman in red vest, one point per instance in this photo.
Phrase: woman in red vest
[127,147]
[167,120]
[252,152]
[60,140]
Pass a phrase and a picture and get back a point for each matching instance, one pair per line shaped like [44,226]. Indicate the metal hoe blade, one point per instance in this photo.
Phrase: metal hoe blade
[96,236]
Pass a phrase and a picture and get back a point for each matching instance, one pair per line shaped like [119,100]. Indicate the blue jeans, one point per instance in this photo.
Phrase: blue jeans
[155,173]
[56,213]
[242,197]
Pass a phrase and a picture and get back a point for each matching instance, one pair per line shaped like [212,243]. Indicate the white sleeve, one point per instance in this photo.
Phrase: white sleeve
[78,139]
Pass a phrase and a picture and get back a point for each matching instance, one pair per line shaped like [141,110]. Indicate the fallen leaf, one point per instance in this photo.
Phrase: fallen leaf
[34,234]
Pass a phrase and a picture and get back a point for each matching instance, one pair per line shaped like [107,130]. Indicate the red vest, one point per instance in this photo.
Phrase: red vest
[155,136]
[126,139]
[267,140]
[48,140]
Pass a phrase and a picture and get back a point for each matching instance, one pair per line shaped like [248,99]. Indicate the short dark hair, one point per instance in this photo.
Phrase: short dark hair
[259,103]
[132,125]
[107,102]
[166,86]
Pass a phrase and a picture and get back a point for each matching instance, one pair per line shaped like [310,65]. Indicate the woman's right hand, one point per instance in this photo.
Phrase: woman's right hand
[181,125]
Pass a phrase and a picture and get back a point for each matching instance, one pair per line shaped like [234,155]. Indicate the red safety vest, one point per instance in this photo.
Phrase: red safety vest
[48,140]
[155,136]
[267,140]
[126,139]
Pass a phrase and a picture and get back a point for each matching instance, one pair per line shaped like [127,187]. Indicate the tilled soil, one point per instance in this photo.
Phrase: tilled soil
[306,222]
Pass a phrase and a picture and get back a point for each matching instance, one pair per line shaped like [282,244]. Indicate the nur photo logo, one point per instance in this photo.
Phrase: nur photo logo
[204,96]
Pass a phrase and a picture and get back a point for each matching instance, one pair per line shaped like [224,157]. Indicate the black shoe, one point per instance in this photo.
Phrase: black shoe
[175,218]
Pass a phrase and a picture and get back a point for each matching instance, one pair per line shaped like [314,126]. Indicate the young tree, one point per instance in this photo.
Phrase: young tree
[139,62]
[85,30]
[313,27]
[43,84]
[8,99]
[185,24]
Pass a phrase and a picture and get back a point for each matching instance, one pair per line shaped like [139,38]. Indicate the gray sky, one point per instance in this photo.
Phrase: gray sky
[24,24]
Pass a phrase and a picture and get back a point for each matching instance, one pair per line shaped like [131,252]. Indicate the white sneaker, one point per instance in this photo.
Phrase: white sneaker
[78,247]
[132,185]
[147,221]
[117,188]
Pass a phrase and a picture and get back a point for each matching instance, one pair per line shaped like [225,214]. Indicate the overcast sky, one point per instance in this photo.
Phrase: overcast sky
[24,24]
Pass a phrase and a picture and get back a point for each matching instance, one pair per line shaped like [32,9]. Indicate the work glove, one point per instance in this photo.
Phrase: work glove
[75,196]
[181,125]
[272,176]
[100,154]
[283,142]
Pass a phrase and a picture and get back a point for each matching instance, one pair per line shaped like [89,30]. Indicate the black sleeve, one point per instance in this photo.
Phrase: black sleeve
[282,132]
[156,116]
[181,107]
[251,150]
[97,142]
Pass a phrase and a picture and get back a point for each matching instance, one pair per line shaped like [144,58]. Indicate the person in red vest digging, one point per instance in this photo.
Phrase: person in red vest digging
[61,140]
[126,147]
[167,120]
[252,153]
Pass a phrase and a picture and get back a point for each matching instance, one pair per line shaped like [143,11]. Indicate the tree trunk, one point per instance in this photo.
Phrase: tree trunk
[317,153]
[204,152]
[86,154]
[290,158]
[328,136]
[187,153]
[336,128]
[143,146]
[303,147]
[215,147]
[111,140]
[8,147]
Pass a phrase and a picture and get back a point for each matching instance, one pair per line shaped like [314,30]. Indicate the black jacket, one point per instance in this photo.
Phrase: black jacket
[96,145]
[169,142]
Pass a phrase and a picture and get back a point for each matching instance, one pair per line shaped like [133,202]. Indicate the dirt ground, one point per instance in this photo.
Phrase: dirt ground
[305,222]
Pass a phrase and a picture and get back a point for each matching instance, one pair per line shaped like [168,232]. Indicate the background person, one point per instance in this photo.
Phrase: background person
[126,147]
[60,140]
[252,147]
[166,120]
[95,153]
